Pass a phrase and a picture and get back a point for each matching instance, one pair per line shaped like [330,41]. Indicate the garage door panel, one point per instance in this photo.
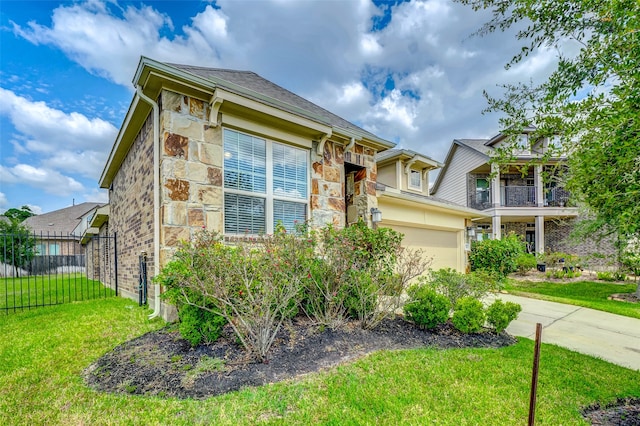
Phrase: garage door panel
[442,246]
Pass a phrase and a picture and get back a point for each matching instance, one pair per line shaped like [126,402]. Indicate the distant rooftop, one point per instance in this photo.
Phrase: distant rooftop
[62,221]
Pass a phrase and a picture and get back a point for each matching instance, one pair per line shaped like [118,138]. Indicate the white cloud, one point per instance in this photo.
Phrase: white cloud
[3,201]
[72,143]
[418,81]
[35,209]
[47,180]
[96,196]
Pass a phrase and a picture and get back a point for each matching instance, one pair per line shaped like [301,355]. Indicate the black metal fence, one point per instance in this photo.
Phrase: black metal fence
[50,269]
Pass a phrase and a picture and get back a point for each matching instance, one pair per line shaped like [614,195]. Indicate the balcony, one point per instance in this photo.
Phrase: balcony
[519,196]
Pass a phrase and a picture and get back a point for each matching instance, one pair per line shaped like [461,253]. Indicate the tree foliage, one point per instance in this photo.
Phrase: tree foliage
[591,101]
[17,244]
[19,215]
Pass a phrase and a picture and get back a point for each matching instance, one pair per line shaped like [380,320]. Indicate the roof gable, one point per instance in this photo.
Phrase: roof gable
[62,221]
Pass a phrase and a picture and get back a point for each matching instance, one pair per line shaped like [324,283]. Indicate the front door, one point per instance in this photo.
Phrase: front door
[530,238]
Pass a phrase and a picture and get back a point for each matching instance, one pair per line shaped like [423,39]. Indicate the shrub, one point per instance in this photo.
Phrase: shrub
[255,285]
[526,262]
[426,308]
[500,314]
[605,276]
[198,325]
[359,273]
[468,315]
[498,256]
[455,285]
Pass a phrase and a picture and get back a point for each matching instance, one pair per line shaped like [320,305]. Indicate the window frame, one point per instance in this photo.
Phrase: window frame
[269,196]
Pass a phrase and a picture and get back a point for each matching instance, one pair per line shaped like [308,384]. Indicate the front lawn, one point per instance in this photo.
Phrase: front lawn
[43,353]
[44,290]
[588,294]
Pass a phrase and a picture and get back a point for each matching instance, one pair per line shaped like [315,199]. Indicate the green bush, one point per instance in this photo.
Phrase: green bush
[605,276]
[455,285]
[500,314]
[526,262]
[426,308]
[468,315]
[200,326]
[499,256]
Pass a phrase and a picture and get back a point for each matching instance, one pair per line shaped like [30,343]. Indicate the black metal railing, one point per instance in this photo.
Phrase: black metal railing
[518,196]
[50,269]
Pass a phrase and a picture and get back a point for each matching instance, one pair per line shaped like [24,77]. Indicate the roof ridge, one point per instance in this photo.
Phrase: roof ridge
[173,64]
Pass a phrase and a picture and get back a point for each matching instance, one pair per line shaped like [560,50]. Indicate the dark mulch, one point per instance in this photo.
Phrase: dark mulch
[624,412]
[161,363]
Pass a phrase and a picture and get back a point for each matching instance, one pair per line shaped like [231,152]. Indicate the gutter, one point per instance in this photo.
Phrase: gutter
[156,197]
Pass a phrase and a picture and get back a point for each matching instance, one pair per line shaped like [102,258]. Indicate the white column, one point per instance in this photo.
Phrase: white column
[496,223]
[537,176]
[495,186]
[540,234]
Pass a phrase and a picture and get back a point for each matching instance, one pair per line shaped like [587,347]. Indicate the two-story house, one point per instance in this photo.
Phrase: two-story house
[514,198]
[435,226]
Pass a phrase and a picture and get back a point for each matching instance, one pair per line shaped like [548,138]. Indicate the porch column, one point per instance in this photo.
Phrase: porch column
[540,234]
[495,186]
[537,176]
[496,223]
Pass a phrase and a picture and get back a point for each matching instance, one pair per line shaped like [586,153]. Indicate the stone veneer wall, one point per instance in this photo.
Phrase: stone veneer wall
[131,215]
[329,201]
[190,172]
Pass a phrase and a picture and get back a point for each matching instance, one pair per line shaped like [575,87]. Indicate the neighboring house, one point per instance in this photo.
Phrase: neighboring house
[540,210]
[436,226]
[56,231]
[228,151]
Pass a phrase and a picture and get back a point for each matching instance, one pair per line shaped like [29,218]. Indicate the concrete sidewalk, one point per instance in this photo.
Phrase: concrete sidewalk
[613,338]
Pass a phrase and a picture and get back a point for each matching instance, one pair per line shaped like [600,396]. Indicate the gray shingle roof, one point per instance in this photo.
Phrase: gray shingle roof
[62,221]
[477,144]
[254,82]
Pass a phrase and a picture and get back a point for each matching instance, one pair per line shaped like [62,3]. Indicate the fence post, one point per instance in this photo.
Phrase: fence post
[115,258]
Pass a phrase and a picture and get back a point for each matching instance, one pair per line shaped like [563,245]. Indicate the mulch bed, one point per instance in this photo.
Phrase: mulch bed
[161,363]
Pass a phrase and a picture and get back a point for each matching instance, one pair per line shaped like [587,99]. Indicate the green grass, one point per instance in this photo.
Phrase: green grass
[45,290]
[580,293]
[43,352]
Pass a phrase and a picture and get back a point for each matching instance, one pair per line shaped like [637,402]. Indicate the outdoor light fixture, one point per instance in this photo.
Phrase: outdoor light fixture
[471,231]
[376,215]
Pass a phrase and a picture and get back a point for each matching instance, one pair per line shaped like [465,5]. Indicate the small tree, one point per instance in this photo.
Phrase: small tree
[19,215]
[17,244]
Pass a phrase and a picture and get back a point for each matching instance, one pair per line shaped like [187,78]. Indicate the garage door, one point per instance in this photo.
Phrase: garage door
[441,245]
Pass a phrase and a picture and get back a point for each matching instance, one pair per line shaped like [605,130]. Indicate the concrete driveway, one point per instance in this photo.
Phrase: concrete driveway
[613,338]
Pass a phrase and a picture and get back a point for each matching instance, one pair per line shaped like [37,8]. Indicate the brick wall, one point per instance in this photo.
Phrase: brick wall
[131,215]
[558,239]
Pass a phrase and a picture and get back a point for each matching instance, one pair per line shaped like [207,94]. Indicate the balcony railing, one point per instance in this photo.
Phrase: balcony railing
[518,196]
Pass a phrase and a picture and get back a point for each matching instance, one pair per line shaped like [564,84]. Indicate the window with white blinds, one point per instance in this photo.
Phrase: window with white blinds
[415,180]
[264,183]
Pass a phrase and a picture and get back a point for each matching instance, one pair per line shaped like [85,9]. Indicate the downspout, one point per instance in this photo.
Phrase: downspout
[156,198]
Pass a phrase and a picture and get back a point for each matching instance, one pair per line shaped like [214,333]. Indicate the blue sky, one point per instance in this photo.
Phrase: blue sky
[406,70]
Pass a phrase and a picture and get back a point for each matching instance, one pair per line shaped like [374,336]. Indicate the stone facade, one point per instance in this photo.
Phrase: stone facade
[190,172]
[343,185]
[191,181]
[131,215]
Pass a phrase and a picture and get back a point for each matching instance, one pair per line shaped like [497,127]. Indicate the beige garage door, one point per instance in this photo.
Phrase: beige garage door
[441,245]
